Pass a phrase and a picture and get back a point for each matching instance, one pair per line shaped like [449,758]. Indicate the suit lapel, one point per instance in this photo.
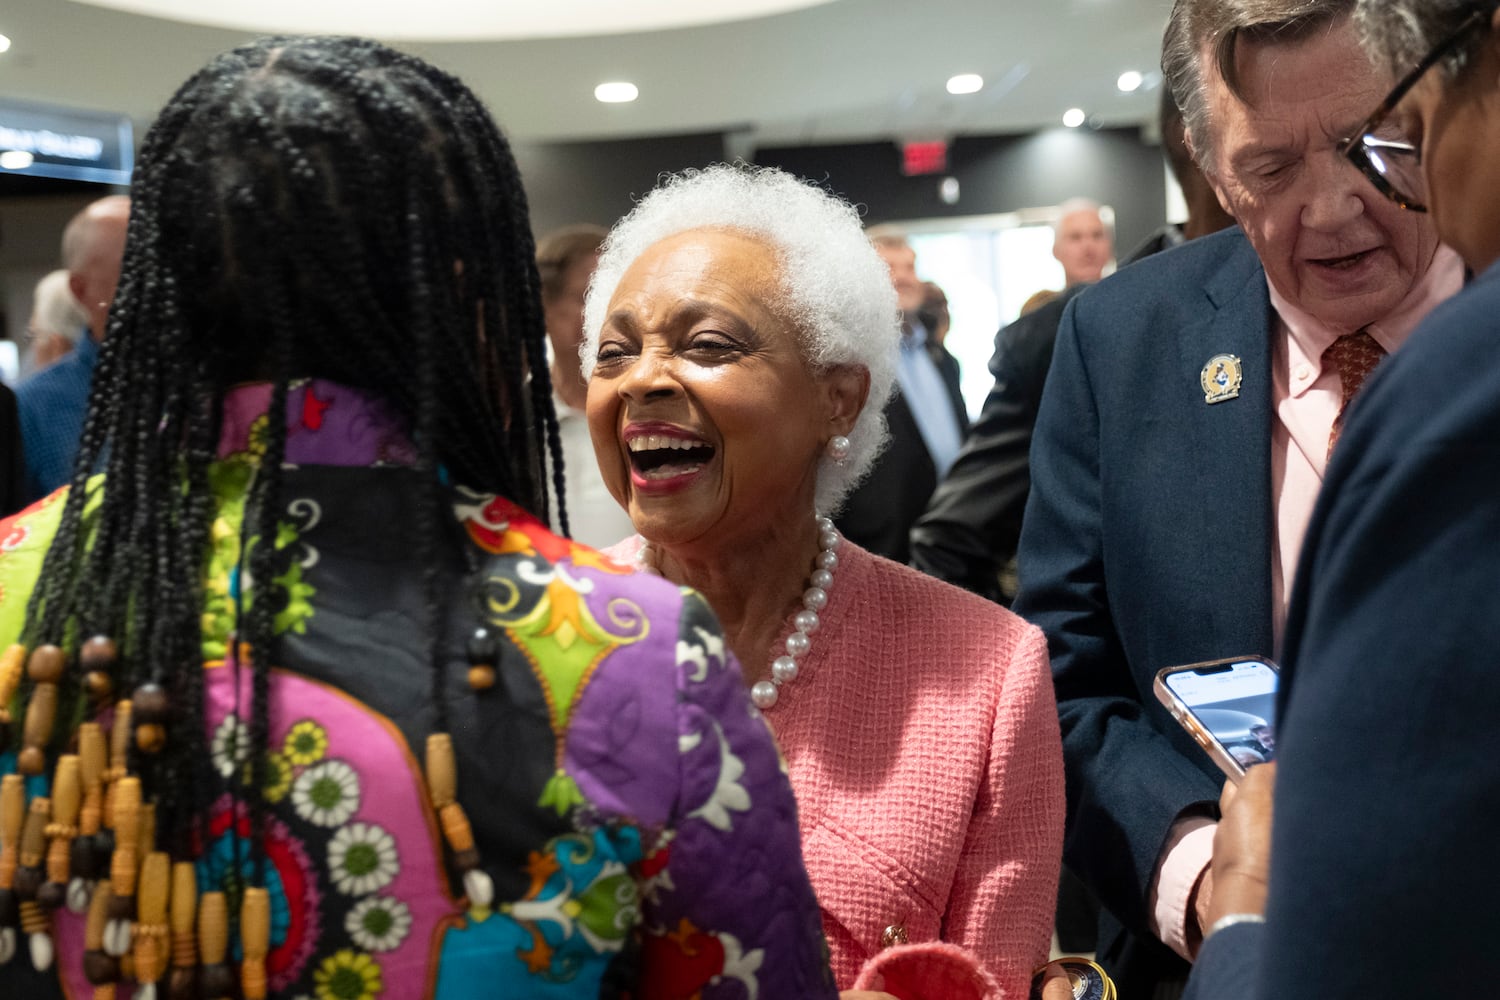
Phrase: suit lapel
[1233,454]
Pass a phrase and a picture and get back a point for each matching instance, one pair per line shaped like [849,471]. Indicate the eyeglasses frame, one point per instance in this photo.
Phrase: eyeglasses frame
[1356,147]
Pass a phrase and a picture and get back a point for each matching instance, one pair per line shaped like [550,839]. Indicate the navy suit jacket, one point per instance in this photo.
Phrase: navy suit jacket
[879,513]
[1383,875]
[1146,543]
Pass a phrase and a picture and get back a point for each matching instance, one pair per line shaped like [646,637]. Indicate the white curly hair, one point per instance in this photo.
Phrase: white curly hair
[838,292]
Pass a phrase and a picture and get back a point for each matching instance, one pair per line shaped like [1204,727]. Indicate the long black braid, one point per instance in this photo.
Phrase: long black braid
[309,207]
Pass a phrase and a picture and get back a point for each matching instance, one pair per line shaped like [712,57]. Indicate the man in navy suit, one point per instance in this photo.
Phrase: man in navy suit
[1182,438]
[926,419]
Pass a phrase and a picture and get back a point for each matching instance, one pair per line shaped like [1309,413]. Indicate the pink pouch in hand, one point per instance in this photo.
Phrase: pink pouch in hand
[929,971]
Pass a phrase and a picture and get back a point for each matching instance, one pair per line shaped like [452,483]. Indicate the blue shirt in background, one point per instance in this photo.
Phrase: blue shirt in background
[52,404]
[927,398]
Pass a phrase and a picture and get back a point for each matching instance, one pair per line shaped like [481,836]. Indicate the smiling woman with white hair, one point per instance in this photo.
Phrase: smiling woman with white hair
[740,339]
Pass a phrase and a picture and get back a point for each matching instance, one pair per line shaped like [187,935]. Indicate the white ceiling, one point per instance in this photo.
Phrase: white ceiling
[836,71]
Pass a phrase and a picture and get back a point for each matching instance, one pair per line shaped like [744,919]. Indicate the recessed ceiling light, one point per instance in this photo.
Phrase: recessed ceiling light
[15,159]
[1074,117]
[965,83]
[618,92]
[4,43]
[1130,81]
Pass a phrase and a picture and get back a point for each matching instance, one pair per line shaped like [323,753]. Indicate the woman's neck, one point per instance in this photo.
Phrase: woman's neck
[753,589]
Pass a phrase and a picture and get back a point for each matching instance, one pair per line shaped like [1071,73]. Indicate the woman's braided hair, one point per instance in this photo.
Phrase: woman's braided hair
[303,207]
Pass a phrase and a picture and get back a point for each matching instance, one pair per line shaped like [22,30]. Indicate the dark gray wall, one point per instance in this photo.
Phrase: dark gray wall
[601,181]
[998,174]
[568,182]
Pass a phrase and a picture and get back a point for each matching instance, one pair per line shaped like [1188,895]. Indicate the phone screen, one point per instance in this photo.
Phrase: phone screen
[1236,703]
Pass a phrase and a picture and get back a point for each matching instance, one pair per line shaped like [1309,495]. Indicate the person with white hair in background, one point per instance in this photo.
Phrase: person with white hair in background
[57,322]
[53,402]
[741,335]
[1082,243]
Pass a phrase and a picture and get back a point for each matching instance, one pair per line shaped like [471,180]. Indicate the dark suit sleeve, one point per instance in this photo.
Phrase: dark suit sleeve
[1384,880]
[1126,783]
[879,514]
[972,525]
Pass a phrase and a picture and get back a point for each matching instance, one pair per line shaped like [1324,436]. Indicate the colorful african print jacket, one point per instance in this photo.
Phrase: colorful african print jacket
[626,797]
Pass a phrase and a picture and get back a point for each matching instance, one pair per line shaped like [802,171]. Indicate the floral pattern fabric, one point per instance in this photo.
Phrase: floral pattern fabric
[626,798]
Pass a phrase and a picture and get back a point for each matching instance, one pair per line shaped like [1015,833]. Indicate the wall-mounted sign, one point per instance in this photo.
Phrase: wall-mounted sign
[45,141]
[918,158]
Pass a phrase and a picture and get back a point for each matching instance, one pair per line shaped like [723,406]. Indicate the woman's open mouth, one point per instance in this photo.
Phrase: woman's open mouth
[659,459]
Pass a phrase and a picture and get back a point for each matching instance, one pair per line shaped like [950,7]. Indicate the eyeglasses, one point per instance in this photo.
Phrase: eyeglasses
[1388,158]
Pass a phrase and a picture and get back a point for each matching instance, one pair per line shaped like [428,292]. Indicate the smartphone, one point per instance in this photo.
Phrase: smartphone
[1228,705]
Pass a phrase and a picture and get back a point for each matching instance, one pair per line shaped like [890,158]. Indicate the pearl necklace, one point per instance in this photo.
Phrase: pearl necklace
[804,623]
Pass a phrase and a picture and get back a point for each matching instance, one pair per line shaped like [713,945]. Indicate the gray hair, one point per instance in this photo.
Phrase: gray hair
[837,291]
[1398,33]
[55,310]
[1215,28]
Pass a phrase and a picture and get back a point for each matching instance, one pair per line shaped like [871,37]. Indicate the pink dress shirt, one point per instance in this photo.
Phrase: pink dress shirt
[1306,399]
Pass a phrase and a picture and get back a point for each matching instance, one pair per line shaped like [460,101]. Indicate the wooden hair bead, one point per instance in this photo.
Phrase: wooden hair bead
[92,760]
[46,664]
[34,833]
[40,714]
[122,867]
[255,937]
[151,705]
[456,829]
[119,753]
[482,677]
[119,740]
[99,686]
[67,794]
[150,941]
[152,711]
[442,770]
[99,653]
[183,983]
[97,658]
[33,920]
[145,840]
[213,928]
[12,820]
[12,663]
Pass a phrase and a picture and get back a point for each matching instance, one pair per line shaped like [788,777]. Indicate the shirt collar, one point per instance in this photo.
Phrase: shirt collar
[913,333]
[1309,337]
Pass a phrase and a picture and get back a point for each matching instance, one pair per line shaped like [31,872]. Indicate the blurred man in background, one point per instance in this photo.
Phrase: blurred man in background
[53,401]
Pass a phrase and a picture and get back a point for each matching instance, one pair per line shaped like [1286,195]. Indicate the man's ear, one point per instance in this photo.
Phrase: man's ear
[77,286]
[847,388]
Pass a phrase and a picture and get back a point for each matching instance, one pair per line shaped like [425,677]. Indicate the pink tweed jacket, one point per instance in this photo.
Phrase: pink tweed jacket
[922,740]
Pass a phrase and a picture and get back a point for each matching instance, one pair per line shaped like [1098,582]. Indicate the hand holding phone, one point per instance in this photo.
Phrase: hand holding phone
[1228,706]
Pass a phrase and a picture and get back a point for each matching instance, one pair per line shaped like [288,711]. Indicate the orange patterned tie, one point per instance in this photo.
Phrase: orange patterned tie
[1354,356]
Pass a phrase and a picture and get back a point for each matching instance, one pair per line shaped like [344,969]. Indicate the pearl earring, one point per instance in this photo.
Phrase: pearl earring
[838,448]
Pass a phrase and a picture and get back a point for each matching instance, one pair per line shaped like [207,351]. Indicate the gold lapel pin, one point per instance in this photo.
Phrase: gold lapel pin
[1221,378]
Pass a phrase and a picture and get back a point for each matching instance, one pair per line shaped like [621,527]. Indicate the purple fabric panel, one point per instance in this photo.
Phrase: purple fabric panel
[622,739]
[736,862]
[334,425]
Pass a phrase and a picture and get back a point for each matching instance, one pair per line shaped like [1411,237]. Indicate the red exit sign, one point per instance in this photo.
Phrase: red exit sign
[918,158]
